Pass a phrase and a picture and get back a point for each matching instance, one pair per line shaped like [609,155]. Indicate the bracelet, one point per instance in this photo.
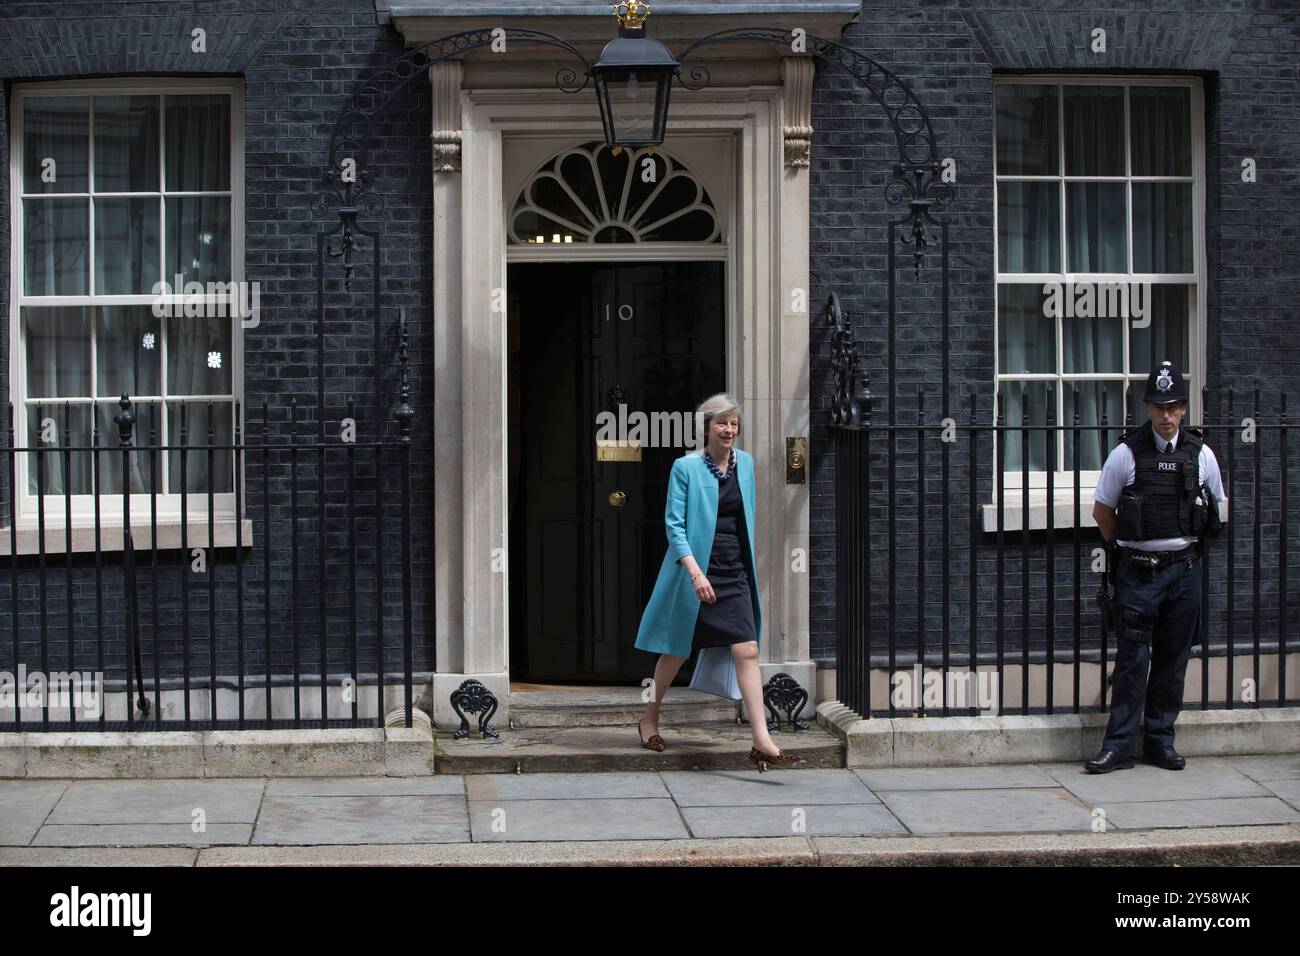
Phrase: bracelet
[697,574]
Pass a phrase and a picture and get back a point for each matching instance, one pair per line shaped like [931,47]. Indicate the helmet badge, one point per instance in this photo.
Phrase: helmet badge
[1164,381]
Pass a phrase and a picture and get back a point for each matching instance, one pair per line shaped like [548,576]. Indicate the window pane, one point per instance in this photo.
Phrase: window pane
[1026,337]
[55,246]
[126,144]
[529,225]
[198,356]
[1098,401]
[1162,227]
[198,239]
[1093,344]
[1013,408]
[1029,227]
[198,143]
[127,351]
[195,419]
[55,472]
[126,246]
[1097,237]
[1162,130]
[58,352]
[56,128]
[1027,130]
[1094,130]
[147,432]
[1167,337]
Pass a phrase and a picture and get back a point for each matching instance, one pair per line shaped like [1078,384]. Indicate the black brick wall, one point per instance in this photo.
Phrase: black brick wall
[949,52]
[300,62]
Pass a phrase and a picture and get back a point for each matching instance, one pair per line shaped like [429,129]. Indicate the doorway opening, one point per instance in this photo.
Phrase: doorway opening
[586,535]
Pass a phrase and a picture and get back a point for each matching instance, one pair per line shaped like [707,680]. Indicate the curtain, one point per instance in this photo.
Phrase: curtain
[1162,227]
[1015,395]
[1029,227]
[58,367]
[1096,227]
[1162,138]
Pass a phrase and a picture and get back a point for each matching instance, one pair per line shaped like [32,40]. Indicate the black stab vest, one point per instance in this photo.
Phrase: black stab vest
[1167,483]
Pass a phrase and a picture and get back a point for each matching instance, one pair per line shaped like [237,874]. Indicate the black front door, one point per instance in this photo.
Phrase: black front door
[587,536]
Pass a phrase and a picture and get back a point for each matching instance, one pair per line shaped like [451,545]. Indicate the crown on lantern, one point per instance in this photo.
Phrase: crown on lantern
[632,14]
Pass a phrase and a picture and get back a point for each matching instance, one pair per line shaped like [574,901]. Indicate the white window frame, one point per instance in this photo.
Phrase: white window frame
[1195,280]
[110,505]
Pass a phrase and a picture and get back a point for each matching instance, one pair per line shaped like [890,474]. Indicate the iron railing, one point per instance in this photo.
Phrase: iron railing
[925,593]
[276,593]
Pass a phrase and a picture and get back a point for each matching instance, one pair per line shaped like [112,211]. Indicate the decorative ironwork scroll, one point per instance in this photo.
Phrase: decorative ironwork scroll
[850,408]
[917,175]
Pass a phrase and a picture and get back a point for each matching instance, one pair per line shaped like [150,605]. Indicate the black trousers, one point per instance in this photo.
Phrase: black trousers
[1171,601]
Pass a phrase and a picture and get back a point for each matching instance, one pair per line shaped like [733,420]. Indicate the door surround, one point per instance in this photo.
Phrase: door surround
[767,337]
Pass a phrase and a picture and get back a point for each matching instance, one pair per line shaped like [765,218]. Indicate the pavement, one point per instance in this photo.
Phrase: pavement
[1218,809]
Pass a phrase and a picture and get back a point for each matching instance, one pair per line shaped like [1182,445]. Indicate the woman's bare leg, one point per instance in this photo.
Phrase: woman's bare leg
[665,670]
[750,678]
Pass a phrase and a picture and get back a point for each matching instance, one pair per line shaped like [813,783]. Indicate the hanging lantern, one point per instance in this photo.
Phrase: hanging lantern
[633,77]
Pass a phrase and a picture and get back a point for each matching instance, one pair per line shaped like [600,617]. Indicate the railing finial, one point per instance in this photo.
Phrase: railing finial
[125,422]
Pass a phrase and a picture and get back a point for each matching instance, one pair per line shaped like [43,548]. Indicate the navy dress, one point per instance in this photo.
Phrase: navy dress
[729,619]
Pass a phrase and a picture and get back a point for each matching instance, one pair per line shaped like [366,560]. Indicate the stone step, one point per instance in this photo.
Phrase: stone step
[700,745]
[612,707]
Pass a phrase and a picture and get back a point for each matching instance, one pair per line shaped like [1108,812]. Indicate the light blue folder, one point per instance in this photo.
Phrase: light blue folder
[715,673]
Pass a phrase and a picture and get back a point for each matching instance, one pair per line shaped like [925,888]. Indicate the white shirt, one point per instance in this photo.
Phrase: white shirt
[1120,471]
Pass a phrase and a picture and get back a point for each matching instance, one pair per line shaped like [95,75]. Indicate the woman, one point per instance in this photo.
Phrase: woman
[709,516]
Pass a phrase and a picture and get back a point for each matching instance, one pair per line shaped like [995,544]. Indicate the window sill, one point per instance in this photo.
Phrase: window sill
[110,536]
[1062,511]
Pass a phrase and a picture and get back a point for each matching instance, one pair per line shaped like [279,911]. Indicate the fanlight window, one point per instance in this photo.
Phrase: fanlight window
[588,195]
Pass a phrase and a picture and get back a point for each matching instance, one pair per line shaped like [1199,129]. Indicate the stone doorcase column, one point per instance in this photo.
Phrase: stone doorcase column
[767,344]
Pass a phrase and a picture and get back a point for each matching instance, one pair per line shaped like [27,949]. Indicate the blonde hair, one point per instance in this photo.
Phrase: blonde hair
[713,406]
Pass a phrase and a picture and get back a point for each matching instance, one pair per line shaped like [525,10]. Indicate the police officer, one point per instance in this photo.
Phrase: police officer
[1156,498]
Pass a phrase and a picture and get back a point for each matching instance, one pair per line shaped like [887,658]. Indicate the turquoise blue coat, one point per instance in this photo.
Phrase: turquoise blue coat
[690,518]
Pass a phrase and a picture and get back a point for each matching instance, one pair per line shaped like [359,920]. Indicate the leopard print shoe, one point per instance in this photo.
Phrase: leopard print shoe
[655,743]
[761,760]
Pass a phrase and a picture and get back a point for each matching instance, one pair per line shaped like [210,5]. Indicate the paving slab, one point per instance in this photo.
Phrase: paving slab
[1206,846]
[1215,812]
[142,834]
[956,778]
[849,819]
[769,851]
[365,786]
[19,823]
[1201,779]
[158,801]
[1282,767]
[17,793]
[369,819]
[24,806]
[563,786]
[98,856]
[601,819]
[987,811]
[1288,790]
[750,788]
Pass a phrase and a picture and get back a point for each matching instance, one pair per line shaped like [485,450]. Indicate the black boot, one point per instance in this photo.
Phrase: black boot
[1165,757]
[1108,760]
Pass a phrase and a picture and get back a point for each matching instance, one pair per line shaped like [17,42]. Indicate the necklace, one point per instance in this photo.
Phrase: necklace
[731,465]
